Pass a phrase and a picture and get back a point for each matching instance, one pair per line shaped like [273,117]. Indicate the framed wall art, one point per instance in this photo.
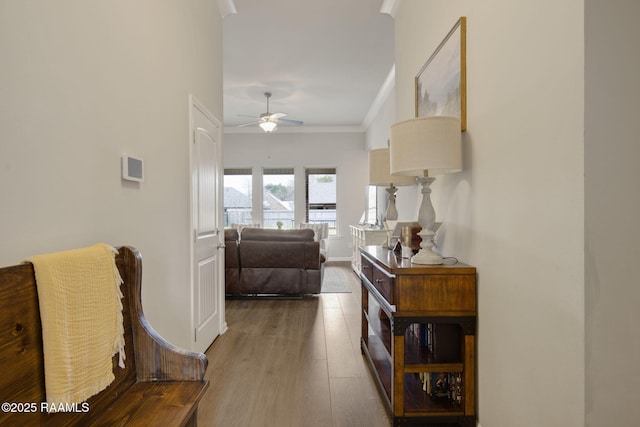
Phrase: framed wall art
[440,85]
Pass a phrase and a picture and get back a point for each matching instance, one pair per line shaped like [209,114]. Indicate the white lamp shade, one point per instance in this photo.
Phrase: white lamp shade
[379,170]
[432,144]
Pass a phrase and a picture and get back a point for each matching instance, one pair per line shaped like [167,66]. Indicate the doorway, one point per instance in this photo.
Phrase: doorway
[207,254]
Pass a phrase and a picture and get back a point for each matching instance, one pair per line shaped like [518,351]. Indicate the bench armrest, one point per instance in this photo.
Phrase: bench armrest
[156,358]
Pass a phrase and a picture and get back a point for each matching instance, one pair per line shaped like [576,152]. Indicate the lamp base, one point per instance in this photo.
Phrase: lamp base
[426,257]
[392,211]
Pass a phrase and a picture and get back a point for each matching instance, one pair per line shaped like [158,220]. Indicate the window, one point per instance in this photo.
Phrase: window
[237,196]
[320,194]
[278,209]
[371,213]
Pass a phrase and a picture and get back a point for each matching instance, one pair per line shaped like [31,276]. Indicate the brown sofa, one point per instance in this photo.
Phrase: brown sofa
[231,262]
[272,262]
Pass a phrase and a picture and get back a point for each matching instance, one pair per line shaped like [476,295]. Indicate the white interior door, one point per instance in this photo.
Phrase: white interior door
[208,257]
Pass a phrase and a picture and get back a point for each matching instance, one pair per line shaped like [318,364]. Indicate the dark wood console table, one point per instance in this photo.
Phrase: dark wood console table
[418,334]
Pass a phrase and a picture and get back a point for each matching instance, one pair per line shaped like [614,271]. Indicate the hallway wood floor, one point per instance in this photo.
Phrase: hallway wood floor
[292,363]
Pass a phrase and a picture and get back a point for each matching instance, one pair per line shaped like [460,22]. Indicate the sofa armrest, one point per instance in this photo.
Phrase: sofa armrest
[312,256]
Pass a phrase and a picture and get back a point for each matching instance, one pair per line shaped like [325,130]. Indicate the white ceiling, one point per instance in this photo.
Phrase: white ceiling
[324,61]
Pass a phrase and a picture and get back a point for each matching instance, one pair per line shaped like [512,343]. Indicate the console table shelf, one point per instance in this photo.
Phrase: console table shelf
[418,334]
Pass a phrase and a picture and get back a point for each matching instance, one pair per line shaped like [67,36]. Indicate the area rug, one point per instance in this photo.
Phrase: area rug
[337,276]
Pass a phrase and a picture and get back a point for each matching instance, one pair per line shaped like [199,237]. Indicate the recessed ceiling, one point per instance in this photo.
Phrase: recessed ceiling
[323,61]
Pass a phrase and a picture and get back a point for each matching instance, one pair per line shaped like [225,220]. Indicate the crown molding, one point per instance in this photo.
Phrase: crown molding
[227,7]
[390,7]
[301,129]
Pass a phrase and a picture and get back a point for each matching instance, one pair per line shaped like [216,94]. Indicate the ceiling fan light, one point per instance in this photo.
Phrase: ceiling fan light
[268,126]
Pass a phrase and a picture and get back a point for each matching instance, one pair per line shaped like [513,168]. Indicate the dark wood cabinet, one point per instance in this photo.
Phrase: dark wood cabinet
[418,334]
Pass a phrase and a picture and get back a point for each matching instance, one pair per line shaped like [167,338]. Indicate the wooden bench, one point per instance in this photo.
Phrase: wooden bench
[160,386]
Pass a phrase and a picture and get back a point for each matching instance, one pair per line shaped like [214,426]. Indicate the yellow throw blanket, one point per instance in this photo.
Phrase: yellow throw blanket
[81,312]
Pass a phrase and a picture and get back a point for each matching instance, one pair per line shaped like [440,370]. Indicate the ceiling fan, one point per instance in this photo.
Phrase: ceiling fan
[269,121]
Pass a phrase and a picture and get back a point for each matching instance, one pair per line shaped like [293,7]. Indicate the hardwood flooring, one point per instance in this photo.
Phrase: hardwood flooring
[292,363]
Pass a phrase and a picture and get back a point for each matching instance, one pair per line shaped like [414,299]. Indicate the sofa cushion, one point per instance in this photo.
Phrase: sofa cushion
[272,235]
[320,230]
[231,249]
[230,234]
[259,254]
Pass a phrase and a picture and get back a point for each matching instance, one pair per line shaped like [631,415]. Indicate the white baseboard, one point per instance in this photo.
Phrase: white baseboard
[339,259]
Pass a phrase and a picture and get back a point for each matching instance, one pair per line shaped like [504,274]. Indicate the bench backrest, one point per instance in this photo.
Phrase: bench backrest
[21,355]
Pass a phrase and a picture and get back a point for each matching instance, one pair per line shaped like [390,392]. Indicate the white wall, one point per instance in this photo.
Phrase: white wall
[345,151]
[377,136]
[81,84]
[612,206]
[516,212]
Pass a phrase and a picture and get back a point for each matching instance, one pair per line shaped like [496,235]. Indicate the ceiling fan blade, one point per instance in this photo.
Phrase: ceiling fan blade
[290,122]
[247,124]
[276,115]
[244,115]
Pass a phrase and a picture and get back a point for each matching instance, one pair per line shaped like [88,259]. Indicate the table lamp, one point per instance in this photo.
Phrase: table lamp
[423,147]
[379,175]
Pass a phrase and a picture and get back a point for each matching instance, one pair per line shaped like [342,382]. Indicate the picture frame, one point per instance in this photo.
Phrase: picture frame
[440,85]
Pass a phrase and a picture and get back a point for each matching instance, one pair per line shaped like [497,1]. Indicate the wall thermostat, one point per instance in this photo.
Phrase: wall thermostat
[132,169]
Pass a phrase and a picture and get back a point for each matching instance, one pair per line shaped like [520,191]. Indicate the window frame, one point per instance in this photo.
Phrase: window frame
[277,171]
[308,171]
[239,171]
